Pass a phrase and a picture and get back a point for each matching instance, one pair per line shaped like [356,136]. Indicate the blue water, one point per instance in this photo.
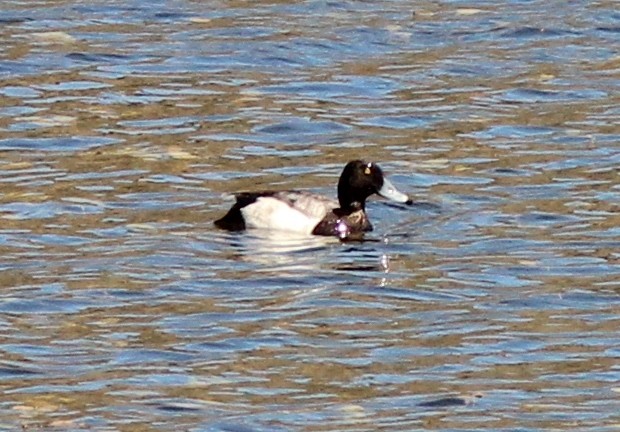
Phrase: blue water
[491,304]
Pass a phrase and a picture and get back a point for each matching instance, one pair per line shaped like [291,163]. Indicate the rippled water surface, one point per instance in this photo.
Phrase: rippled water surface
[492,304]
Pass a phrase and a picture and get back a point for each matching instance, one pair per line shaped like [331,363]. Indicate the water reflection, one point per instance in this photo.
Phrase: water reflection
[281,252]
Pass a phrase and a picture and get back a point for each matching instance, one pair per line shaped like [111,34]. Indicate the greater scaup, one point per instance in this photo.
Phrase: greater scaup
[309,213]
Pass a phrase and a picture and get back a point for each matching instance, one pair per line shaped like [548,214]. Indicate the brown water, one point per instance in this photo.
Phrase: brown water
[493,304]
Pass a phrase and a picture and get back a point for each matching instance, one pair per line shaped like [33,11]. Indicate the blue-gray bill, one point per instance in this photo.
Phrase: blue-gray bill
[389,191]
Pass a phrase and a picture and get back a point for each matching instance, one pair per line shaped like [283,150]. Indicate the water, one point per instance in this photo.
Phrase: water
[492,304]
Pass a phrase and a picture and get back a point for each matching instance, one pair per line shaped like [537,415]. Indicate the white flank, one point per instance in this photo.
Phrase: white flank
[271,213]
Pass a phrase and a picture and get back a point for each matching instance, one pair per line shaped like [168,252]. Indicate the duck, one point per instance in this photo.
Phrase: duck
[308,213]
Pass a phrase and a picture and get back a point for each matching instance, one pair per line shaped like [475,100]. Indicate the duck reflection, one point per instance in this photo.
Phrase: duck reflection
[307,255]
[283,251]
